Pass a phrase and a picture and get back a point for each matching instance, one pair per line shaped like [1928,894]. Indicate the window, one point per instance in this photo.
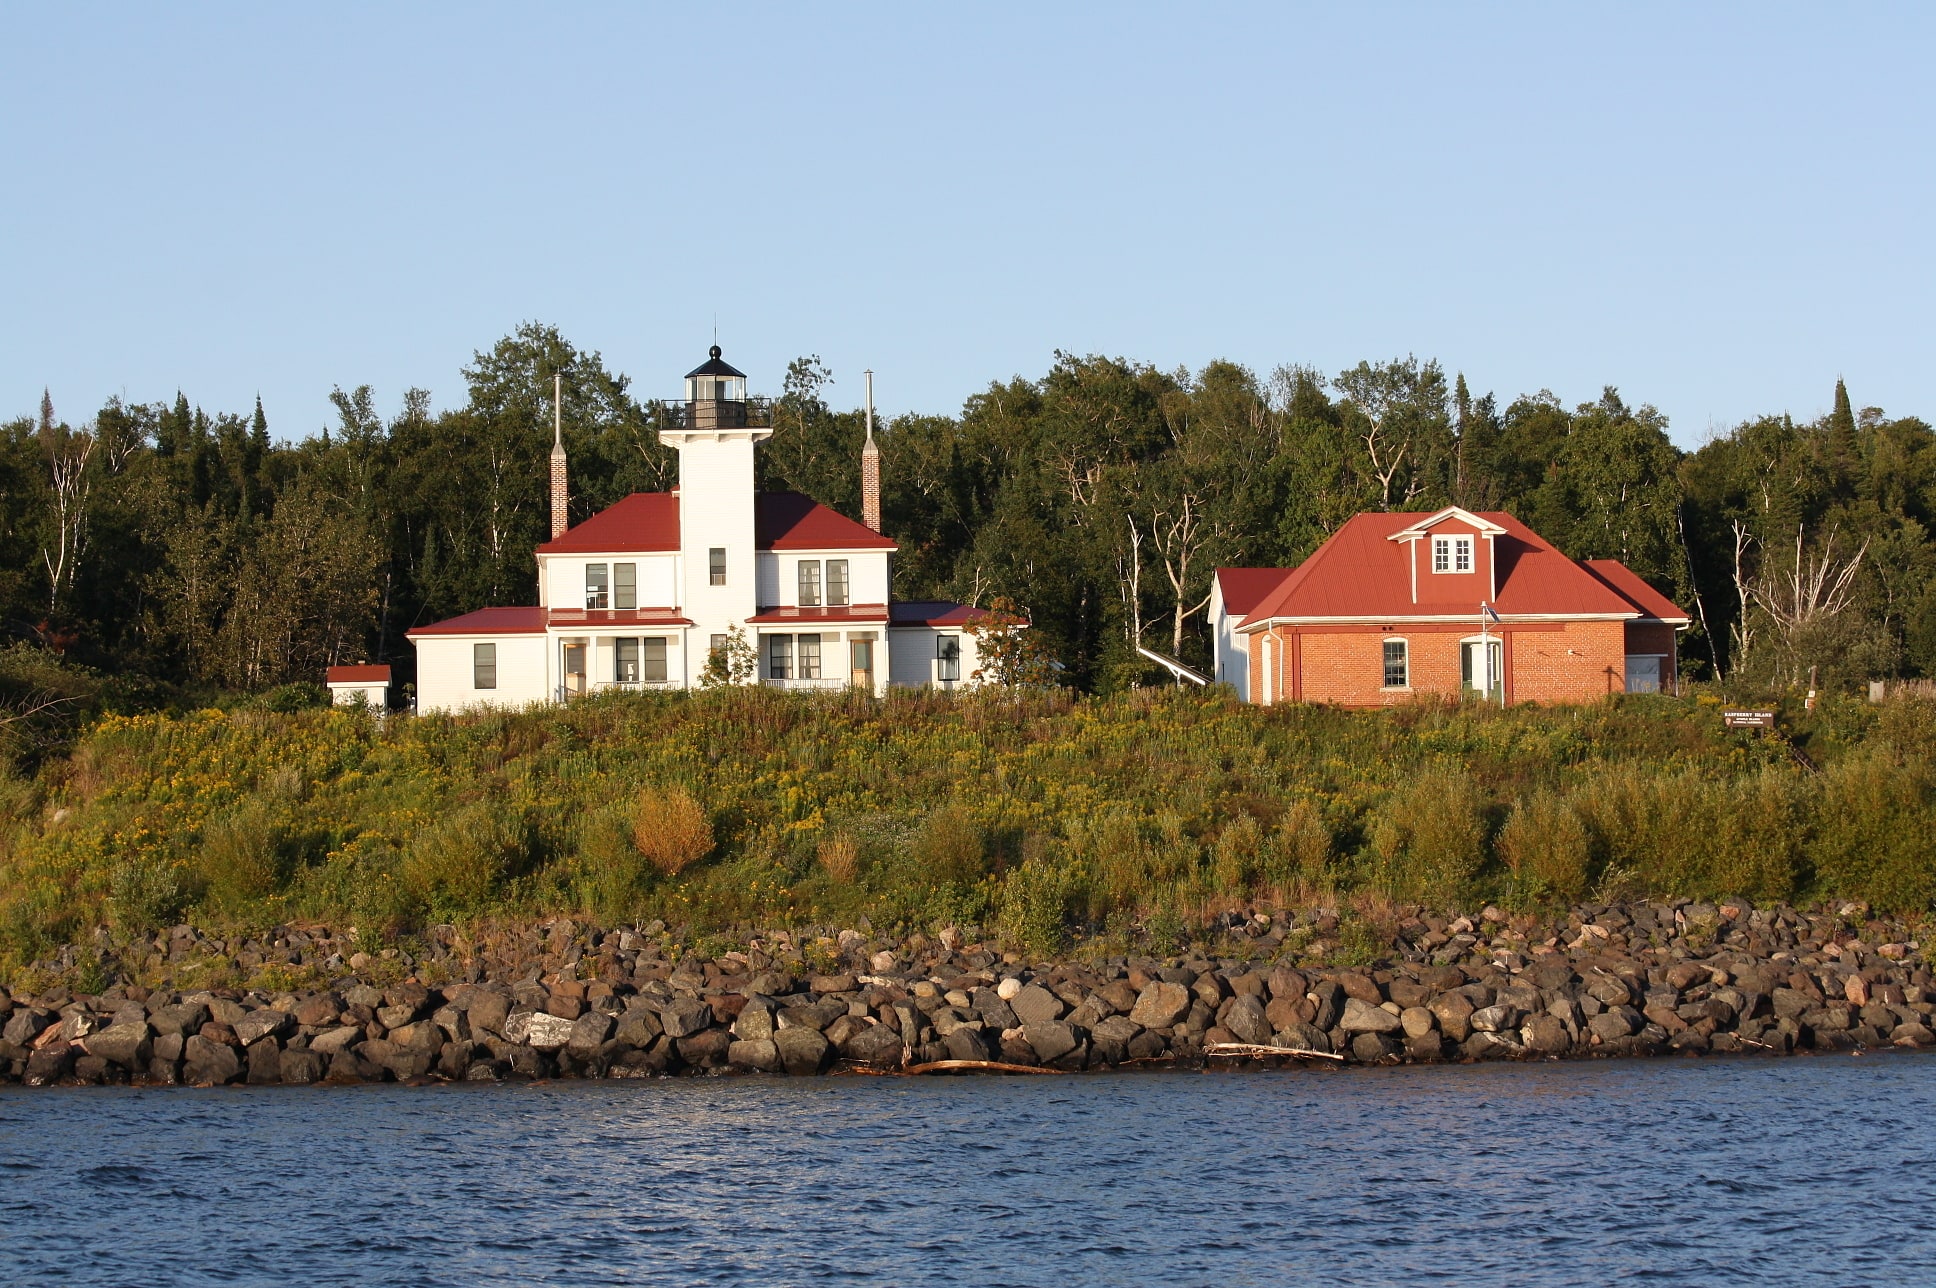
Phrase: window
[837,583]
[716,646]
[779,657]
[483,666]
[947,658]
[1397,668]
[625,585]
[716,564]
[1451,554]
[809,583]
[652,660]
[810,657]
[625,668]
[596,595]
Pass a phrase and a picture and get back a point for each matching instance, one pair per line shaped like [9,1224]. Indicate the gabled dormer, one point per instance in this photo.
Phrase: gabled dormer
[1452,554]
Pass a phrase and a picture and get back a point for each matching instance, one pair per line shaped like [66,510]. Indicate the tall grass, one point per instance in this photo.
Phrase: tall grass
[1041,812]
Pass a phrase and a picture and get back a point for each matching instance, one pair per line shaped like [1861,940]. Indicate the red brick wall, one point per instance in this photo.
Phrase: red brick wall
[1560,662]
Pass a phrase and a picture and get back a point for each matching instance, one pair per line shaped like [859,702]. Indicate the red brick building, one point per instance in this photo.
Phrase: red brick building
[1396,605]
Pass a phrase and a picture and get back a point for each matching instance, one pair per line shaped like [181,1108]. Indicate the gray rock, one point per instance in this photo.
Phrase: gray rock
[265,1063]
[639,1027]
[547,1032]
[224,1011]
[264,1023]
[876,1046]
[1498,1018]
[1050,1040]
[1371,1046]
[182,1017]
[487,1010]
[1037,1005]
[167,1048]
[25,1024]
[1361,1016]
[803,1051]
[1545,1034]
[1610,1026]
[685,1016]
[127,1045]
[363,995]
[948,1019]
[1417,1022]
[975,1043]
[588,1034]
[759,1054]
[1116,1028]
[204,1061]
[1161,1005]
[48,1065]
[1328,997]
[1608,989]
[1244,1016]
[1790,1002]
[1453,1011]
[757,1020]
[335,1041]
[1303,1037]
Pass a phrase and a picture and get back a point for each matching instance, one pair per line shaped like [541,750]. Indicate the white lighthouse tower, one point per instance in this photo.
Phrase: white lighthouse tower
[715,432]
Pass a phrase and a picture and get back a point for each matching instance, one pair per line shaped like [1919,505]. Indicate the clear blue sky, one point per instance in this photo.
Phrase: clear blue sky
[1717,208]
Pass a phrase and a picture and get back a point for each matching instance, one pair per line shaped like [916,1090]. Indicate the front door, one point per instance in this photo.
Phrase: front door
[574,669]
[861,664]
[1481,671]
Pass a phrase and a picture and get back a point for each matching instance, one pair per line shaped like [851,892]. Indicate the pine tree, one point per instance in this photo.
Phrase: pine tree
[255,455]
[1843,450]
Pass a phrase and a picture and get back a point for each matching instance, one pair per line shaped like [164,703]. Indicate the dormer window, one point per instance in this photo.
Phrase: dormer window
[1452,554]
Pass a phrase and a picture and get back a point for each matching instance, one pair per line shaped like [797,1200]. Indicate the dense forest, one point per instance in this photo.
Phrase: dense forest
[182,551]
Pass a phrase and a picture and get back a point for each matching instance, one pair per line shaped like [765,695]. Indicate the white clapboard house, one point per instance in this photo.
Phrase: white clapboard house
[638,595]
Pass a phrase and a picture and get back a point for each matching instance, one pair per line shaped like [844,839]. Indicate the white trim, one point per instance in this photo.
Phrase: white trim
[1394,688]
[1431,521]
[1252,628]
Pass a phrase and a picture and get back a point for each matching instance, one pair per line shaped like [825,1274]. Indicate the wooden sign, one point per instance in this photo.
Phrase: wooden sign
[1748,719]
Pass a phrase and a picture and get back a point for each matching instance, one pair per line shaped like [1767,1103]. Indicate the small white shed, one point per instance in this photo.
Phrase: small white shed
[351,684]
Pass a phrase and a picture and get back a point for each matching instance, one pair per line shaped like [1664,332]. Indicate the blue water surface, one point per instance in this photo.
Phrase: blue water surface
[1806,1170]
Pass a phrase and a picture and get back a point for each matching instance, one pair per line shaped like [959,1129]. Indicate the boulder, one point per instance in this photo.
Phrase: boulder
[1050,1040]
[25,1024]
[1244,1016]
[265,1063]
[335,1041]
[706,1049]
[757,1020]
[685,1016]
[759,1054]
[204,1061]
[639,1027]
[1361,1016]
[876,1046]
[971,1043]
[1037,1005]
[588,1034]
[1160,1005]
[803,1051]
[1371,1047]
[183,1018]
[1610,1026]
[317,1011]
[1328,1000]
[487,1010]
[264,1023]
[547,1032]
[49,1065]
[127,1045]
[1498,1018]
[1303,1037]
[1417,1021]
[1545,1034]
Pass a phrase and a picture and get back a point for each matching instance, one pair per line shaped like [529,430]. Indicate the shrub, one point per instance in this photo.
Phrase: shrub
[1546,847]
[1034,906]
[1874,819]
[1304,846]
[670,829]
[238,862]
[839,857]
[143,895]
[1428,842]
[950,846]
[459,865]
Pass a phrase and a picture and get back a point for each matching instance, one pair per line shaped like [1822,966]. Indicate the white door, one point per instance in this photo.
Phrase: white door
[1481,668]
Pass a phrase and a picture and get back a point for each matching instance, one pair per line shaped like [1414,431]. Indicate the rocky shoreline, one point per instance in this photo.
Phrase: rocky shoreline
[564,1000]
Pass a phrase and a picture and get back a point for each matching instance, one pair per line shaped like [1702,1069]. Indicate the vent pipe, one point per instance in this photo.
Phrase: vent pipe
[870,468]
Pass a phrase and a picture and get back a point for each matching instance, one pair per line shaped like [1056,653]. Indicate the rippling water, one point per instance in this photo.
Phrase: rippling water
[1776,1171]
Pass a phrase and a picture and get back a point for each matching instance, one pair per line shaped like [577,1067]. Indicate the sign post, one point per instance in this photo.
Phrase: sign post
[1748,719]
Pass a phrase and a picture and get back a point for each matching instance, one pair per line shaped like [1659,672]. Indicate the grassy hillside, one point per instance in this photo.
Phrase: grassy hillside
[1042,812]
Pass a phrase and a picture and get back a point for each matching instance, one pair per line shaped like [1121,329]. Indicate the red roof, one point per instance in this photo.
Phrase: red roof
[849,613]
[642,522]
[488,621]
[617,617]
[790,521]
[1360,574]
[1629,586]
[1244,587]
[648,522]
[935,612]
[357,675]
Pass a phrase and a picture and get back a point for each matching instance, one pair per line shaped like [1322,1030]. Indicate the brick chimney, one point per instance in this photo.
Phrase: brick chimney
[870,468]
[559,521]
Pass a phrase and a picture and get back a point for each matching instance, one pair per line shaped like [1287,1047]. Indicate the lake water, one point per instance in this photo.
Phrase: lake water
[1807,1170]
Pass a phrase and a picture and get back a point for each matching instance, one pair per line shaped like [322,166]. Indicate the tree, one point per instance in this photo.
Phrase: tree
[1399,414]
[734,661]
[1008,653]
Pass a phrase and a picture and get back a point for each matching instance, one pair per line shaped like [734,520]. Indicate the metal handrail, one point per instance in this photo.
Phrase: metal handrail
[754,413]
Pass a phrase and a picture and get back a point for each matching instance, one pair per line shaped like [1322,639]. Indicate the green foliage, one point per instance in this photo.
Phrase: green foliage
[1033,810]
[1428,841]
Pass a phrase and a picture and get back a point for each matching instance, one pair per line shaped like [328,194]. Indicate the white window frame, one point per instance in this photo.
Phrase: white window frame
[625,658]
[837,583]
[652,659]
[484,666]
[807,579]
[1384,662]
[598,585]
[1452,554]
[625,586]
[806,653]
[947,659]
[716,566]
[779,657]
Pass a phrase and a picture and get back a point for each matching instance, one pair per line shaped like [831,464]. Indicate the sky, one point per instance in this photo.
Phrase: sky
[1719,209]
